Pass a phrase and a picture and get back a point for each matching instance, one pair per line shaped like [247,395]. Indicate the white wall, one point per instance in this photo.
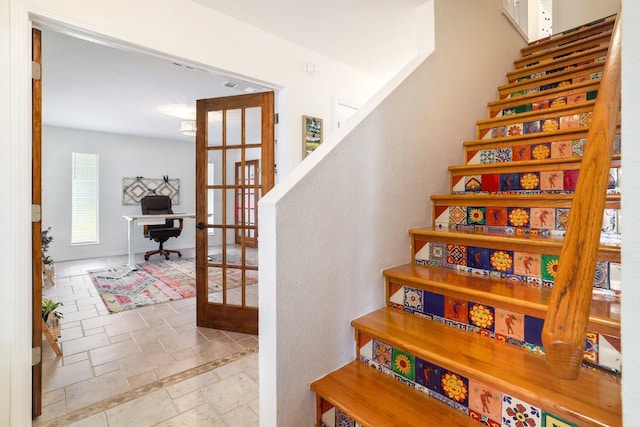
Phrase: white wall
[342,215]
[119,156]
[630,209]
[568,14]
[200,36]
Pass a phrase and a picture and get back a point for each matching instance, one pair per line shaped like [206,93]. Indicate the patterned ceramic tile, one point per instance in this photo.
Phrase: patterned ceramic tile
[530,181]
[404,364]
[576,98]
[516,413]
[541,151]
[518,217]
[499,132]
[442,216]
[570,122]
[343,419]
[601,279]
[509,324]
[591,347]
[549,267]
[549,420]
[456,310]
[472,183]
[437,252]
[413,299]
[613,179]
[473,157]
[479,258]
[382,353]
[456,254]
[455,387]
[578,147]
[558,102]
[428,375]
[502,261]
[481,316]
[458,184]
[561,149]
[562,218]
[457,215]
[509,181]
[515,129]
[476,215]
[485,400]
[531,127]
[504,154]
[541,105]
[521,153]
[585,119]
[487,156]
[543,218]
[527,264]
[496,216]
[551,180]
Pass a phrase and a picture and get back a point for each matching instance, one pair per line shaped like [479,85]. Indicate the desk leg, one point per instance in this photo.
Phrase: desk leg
[132,249]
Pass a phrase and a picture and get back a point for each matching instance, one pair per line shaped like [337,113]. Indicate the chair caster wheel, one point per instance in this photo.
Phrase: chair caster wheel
[146,258]
[179,255]
[166,257]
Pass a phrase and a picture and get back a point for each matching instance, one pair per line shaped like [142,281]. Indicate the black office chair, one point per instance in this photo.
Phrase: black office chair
[158,205]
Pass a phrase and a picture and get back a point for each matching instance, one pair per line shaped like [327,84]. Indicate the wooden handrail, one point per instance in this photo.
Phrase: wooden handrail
[565,326]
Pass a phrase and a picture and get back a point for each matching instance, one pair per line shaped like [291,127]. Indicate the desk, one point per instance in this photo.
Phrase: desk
[147,220]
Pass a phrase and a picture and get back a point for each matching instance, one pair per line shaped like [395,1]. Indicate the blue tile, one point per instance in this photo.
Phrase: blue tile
[428,375]
[479,258]
[509,181]
[533,330]
[433,304]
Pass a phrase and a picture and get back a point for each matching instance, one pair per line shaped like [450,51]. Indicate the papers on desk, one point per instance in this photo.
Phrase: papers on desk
[151,221]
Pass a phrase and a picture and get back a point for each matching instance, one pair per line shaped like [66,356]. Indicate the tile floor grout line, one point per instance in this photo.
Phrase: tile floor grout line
[130,395]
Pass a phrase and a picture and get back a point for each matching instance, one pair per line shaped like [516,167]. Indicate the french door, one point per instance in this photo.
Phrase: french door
[234,168]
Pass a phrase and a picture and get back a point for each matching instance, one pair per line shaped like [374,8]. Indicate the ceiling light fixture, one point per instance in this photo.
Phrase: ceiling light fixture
[188,127]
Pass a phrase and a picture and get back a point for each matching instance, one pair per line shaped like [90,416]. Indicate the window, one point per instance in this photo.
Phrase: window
[84,198]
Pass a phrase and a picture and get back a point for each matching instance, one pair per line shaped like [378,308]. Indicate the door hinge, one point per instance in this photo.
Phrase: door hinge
[36,213]
[36,355]
[36,70]
[276,118]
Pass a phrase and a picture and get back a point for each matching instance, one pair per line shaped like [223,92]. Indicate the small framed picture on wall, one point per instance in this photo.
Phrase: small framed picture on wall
[311,134]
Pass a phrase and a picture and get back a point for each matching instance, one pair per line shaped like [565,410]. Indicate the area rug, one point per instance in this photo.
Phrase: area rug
[155,282]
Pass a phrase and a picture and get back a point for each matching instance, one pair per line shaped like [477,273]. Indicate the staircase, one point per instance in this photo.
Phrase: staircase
[461,338]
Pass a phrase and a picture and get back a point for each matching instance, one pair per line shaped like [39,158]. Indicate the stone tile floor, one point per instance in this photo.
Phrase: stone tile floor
[150,366]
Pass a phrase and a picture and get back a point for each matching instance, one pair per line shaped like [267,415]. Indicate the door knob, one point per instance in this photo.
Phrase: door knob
[200,226]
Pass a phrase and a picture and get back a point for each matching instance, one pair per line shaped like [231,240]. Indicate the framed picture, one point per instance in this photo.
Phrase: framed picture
[311,134]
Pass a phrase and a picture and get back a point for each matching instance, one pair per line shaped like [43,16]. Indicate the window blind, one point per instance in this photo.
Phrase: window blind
[84,198]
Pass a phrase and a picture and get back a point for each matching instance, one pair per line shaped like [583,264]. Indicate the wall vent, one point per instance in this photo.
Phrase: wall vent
[230,84]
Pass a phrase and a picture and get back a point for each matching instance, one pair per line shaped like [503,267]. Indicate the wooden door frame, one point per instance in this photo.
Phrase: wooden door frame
[36,226]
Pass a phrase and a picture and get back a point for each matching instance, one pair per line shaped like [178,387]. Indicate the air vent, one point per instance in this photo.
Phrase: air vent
[230,84]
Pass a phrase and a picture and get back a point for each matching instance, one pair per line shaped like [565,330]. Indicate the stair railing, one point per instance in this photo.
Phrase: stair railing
[565,326]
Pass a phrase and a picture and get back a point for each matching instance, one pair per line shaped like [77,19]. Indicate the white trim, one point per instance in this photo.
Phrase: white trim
[20,212]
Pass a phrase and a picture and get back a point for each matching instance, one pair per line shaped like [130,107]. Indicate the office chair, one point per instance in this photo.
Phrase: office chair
[158,205]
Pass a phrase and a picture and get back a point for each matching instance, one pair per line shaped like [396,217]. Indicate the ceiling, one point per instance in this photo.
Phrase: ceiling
[92,86]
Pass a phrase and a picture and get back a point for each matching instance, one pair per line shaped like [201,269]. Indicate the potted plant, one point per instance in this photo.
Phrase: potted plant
[52,316]
[47,261]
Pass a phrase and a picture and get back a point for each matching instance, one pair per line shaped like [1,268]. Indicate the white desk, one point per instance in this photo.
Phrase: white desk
[147,220]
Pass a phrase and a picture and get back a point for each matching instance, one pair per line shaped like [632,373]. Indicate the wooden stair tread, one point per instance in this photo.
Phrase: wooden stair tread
[504,293]
[560,163]
[560,62]
[541,200]
[573,34]
[593,398]
[374,399]
[575,46]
